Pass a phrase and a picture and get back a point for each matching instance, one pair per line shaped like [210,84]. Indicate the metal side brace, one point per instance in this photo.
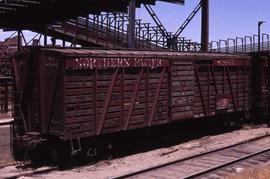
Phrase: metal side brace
[75,150]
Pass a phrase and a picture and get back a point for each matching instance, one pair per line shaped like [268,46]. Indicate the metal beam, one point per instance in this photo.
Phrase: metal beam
[159,24]
[131,26]
[188,20]
[205,25]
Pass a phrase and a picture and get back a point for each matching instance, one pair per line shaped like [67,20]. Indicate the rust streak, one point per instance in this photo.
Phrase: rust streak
[79,100]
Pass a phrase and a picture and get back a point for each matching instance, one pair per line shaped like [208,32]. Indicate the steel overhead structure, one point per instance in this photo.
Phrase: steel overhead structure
[204,5]
[161,28]
[22,14]
[188,20]
[173,40]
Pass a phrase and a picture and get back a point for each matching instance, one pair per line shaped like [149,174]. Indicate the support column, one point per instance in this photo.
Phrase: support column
[131,26]
[45,38]
[19,41]
[205,25]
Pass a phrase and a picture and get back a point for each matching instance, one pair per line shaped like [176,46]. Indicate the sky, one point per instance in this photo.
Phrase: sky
[228,18]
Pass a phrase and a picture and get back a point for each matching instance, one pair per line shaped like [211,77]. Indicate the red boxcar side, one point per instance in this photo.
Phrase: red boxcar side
[72,93]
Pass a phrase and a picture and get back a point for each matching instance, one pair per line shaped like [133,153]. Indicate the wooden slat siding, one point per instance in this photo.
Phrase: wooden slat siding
[146,97]
[139,100]
[130,88]
[267,95]
[107,102]
[122,118]
[76,130]
[153,105]
[79,112]
[80,93]
[57,111]
[214,79]
[29,86]
[231,88]
[198,84]
[73,92]
[223,80]
[76,85]
[265,75]
[138,116]
[169,93]
[81,119]
[133,99]
[35,101]
[265,86]
[221,85]
[245,86]
[147,105]
[182,84]
[208,89]
[91,108]
[100,104]
[43,104]
[249,87]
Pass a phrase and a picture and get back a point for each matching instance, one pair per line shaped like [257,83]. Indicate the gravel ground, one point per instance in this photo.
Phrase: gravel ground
[120,166]
[5,156]
[258,172]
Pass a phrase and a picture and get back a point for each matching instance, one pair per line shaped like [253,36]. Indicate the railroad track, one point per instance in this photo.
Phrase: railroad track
[214,164]
[31,173]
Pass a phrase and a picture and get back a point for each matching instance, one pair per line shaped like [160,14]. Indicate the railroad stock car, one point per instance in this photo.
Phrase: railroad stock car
[66,95]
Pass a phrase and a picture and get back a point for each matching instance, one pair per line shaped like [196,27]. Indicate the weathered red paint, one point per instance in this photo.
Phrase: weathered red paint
[100,92]
[131,108]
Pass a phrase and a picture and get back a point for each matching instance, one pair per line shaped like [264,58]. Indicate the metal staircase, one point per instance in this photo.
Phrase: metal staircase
[105,30]
[110,30]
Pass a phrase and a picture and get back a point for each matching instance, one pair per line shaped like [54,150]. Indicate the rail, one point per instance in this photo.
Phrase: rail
[226,161]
